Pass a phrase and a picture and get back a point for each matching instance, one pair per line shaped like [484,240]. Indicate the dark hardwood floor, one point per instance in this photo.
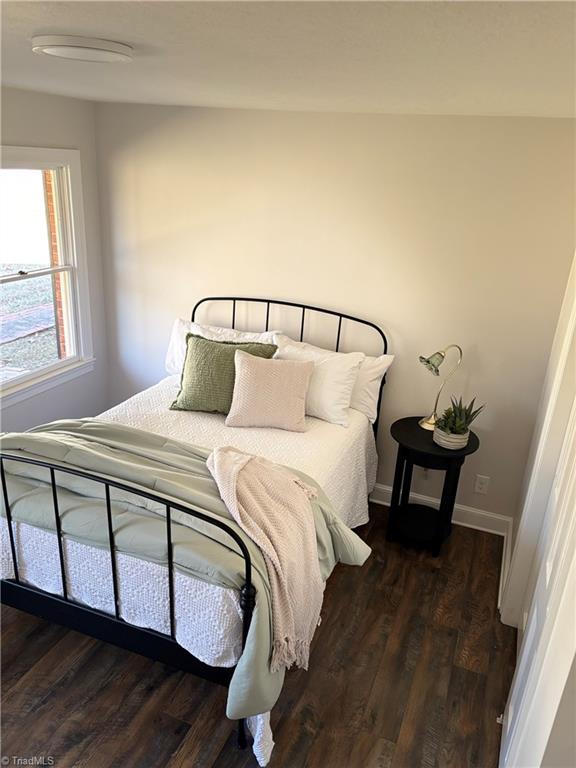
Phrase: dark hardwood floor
[410,668]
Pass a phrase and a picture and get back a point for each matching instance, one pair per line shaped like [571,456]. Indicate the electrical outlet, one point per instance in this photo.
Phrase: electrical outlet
[481,484]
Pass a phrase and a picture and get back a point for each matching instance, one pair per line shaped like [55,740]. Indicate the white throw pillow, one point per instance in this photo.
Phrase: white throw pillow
[176,353]
[367,385]
[269,393]
[332,381]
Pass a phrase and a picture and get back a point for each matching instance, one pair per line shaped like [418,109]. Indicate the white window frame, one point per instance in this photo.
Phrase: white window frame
[67,161]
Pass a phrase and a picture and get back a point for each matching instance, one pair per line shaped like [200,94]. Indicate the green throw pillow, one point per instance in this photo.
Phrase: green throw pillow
[207,382]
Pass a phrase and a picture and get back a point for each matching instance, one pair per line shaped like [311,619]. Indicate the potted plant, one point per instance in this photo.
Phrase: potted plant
[452,429]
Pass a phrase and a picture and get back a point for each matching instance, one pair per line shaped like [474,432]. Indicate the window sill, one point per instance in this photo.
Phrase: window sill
[44,381]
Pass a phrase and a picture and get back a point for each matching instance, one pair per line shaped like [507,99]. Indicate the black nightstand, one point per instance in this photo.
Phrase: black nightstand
[418,524]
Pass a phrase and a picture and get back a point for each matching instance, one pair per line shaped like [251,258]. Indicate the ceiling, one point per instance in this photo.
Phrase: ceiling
[463,58]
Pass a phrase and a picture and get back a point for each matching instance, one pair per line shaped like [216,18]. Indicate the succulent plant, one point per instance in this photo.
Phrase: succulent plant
[456,420]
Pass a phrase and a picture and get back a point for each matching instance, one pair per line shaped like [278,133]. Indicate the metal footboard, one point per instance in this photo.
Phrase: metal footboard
[105,626]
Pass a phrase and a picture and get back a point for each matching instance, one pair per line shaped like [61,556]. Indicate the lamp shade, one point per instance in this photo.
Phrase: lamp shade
[433,362]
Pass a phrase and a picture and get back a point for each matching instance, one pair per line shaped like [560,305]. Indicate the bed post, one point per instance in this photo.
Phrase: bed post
[247,603]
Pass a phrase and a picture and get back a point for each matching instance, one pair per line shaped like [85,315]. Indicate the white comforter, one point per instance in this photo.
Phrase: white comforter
[341,460]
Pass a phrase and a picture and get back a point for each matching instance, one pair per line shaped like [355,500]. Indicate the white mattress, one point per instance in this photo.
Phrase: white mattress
[342,460]
[208,618]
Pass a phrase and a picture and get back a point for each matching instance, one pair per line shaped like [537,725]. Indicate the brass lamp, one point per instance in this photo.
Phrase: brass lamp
[433,364]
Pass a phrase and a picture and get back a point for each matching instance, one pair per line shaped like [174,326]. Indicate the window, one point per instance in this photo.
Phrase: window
[44,315]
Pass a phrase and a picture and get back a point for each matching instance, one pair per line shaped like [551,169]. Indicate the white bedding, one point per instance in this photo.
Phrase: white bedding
[342,460]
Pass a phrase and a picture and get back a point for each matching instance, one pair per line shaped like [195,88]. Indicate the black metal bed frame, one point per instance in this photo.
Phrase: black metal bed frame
[111,628]
[104,626]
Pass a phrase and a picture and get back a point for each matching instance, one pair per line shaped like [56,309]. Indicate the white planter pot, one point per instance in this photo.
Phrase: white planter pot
[447,440]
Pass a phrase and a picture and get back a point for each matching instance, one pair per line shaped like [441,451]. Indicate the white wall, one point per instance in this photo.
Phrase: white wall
[440,229]
[552,419]
[540,594]
[40,120]
[548,644]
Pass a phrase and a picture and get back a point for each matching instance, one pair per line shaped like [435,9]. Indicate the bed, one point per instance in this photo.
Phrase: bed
[184,621]
[343,462]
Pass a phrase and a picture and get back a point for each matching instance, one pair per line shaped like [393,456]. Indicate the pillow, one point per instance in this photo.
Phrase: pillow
[367,385]
[176,352]
[269,393]
[207,381]
[332,380]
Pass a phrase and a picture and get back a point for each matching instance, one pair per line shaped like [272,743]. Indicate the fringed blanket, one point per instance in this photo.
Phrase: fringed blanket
[272,506]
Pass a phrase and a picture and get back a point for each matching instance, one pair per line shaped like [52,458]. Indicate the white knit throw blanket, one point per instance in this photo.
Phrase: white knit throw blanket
[272,506]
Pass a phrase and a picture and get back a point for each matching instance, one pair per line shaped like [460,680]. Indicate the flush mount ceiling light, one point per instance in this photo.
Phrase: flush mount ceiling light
[81,48]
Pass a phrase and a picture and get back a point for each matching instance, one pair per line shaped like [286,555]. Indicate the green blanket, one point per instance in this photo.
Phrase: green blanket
[176,471]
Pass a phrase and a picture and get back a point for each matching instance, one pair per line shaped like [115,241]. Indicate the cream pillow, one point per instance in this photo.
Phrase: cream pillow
[176,353]
[332,381]
[269,393]
[367,387]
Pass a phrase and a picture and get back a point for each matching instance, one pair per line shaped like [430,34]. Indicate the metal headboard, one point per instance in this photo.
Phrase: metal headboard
[304,308]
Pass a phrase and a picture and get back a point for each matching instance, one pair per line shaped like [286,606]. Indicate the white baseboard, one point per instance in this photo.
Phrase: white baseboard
[470,517]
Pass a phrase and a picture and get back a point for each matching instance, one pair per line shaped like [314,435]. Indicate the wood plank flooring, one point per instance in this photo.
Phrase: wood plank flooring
[410,669]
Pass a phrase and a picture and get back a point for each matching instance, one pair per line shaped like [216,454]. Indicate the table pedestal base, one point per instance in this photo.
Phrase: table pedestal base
[418,525]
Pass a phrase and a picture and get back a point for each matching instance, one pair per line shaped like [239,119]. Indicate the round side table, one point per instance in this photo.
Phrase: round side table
[420,525]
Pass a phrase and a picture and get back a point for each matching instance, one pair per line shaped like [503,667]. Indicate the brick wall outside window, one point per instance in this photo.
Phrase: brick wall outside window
[55,261]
